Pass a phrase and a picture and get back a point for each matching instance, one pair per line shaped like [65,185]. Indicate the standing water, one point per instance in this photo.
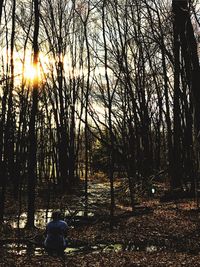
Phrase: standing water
[42,217]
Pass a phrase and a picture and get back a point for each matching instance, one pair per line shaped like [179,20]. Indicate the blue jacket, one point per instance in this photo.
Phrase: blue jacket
[56,231]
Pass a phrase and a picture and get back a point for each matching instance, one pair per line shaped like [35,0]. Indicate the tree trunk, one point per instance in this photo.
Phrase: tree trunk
[110,126]
[32,164]
[1,7]
[176,174]
[189,51]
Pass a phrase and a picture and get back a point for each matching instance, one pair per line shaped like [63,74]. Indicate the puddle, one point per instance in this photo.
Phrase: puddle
[23,249]
[144,247]
[97,194]
[17,249]
[27,249]
[113,247]
[42,217]
[151,249]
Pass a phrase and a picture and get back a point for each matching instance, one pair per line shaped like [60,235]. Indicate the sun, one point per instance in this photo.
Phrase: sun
[32,73]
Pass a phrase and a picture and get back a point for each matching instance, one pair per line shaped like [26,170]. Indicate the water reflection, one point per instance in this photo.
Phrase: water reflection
[23,249]
[18,249]
[143,247]
[42,217]
[113,247]
[151,249]
[29,249]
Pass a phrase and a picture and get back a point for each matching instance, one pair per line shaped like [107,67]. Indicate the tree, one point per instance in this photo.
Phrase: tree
[182,20]
[32,164]
[1,7]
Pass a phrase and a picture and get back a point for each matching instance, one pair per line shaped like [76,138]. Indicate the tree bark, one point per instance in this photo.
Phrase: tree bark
[189,51]
[32,164]
[1,7]
[110,126]
[176,170]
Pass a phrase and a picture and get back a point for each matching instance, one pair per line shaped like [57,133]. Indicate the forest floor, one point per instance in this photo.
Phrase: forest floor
[155,234]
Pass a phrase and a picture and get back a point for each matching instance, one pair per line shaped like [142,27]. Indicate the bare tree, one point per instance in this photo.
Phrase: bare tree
[182,20]
[32,164]
[1,8]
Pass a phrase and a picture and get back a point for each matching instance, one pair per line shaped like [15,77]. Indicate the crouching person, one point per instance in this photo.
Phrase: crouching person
[56,230]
